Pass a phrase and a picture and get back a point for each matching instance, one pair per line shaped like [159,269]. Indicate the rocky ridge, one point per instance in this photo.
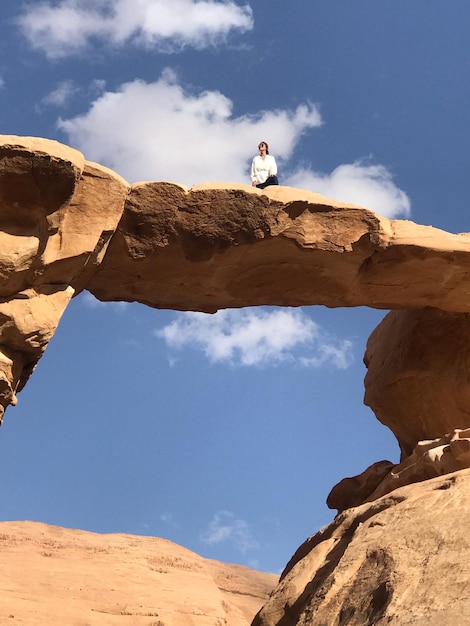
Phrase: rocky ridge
[55,576]
[67,224]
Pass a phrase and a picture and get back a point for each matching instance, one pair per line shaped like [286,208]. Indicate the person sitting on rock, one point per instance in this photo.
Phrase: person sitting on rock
[263,168]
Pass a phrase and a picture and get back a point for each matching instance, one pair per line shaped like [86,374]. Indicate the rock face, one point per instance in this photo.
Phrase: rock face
[401,560]
[430,458]
[57,214]
[55,576]
[418,378]
[67,224]
[215,247]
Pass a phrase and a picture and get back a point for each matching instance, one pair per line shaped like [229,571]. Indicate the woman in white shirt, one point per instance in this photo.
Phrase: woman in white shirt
[263,168]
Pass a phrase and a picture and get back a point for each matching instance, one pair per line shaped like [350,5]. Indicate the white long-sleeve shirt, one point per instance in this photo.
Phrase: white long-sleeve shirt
[261,169]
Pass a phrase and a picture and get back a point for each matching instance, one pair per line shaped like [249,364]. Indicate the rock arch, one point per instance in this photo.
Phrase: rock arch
[67,224]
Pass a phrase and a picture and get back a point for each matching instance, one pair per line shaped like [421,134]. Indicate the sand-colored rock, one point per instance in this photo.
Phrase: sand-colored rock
[218,246]
[53,576]
[401,560]
[57,215]
[210,247]
[430,458]
[67,224]
[355,490]
[27,323]
[418,378]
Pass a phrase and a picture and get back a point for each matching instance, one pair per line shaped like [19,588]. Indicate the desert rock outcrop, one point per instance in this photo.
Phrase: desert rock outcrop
[401,560]
[54,576]
[430,458]
[217,246]
[67,224]
[418,377]
[57,214]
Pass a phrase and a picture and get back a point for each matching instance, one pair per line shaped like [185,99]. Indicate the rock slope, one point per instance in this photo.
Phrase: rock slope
[53,576]
[401,560]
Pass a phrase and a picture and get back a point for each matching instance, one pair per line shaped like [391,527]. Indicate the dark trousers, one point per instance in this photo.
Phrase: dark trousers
[272,180]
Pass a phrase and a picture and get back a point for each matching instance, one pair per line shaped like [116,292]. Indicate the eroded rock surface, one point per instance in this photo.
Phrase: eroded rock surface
[57,214]
[418,378]
[430,458]
[401,560]
[67,224]
[215,247]
[54,576]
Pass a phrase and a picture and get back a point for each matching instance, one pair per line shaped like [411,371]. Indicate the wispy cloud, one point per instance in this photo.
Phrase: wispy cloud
[366,184]
[167,518]
[66,27]
[59,96]
[257,337]
[226,527]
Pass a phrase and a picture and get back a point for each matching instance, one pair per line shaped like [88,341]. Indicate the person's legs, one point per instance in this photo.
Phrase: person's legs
[272,180]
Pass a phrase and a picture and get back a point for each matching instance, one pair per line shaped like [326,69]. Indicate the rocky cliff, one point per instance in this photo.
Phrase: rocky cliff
[401,560]
[67,224]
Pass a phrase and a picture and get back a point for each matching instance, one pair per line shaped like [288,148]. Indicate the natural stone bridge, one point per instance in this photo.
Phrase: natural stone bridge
[67,224]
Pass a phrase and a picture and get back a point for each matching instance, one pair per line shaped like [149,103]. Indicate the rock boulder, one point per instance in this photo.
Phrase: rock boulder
[418,377]
[401,560]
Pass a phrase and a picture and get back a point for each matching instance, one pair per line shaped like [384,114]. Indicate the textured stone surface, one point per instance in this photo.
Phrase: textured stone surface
[430,458]
[214,247]
[400,560]
[55,576]
[356,490]
[57,214]
[67,224]
[418,378]
[207,248]
[27,322]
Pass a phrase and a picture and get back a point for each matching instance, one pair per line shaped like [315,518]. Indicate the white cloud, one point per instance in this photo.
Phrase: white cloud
[257,337]
[67,27]
[368,185]
[167,133]
[61,94]
[226,527]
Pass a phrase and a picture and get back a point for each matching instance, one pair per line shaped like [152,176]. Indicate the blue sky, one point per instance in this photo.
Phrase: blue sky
[224,433]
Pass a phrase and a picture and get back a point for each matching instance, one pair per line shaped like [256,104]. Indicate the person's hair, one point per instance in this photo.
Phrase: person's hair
[267,147]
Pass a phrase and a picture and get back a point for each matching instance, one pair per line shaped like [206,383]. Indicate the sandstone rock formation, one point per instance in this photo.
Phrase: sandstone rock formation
[418,378]
[401,560]
[430,458]
[67,224]
[57,214]
[55,576]
[215,246]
